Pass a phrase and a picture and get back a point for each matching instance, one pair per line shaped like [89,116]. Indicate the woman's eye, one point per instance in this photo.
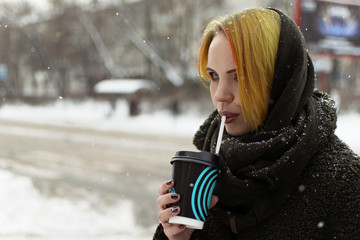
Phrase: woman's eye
[214,75]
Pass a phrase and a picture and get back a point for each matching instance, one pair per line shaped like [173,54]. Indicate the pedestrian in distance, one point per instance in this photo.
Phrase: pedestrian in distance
[284,174]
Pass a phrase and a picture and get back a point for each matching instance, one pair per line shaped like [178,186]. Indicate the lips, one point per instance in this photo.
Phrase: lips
[230,116]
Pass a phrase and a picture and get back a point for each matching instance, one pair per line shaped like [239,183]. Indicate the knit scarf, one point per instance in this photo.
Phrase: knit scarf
[259,170]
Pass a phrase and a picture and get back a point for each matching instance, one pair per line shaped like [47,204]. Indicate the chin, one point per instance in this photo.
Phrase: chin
[236,131]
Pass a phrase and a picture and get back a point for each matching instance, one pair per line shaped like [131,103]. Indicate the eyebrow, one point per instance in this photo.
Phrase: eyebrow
[230,71]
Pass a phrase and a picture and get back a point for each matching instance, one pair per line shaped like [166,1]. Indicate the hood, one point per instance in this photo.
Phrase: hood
[293,77]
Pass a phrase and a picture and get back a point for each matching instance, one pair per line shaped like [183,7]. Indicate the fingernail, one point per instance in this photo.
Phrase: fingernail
[181,226]
[169,182]
[174,196]
[174,209]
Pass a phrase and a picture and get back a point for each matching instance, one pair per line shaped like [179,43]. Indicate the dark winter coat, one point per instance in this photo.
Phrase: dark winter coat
[293,178]
[325,204]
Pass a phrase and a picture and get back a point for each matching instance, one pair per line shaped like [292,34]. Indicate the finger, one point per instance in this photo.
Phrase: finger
[214,200]
[173,229]
[170,229]
[166,214]
[166,187]
[163,201]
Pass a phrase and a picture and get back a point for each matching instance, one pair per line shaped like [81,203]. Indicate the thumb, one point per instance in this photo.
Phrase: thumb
[214,200]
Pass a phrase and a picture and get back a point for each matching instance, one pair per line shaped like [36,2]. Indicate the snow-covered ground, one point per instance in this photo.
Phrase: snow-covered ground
[27,214]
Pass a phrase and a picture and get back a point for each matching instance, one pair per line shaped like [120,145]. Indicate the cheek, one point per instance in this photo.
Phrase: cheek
[212,93]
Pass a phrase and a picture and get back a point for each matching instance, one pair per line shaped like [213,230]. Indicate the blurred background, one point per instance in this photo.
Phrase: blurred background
[96,96]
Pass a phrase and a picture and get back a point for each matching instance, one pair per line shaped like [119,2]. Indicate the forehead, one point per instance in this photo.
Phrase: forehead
[220,53]
[219,41]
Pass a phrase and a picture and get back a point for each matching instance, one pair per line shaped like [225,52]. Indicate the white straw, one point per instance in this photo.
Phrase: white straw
[221,131]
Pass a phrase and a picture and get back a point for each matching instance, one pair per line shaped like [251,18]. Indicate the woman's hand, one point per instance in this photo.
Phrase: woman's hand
[173,231]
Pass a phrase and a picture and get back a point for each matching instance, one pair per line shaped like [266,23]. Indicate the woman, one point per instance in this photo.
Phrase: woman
[284,173]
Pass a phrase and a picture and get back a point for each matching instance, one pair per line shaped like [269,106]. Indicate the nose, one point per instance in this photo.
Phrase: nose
[224,92]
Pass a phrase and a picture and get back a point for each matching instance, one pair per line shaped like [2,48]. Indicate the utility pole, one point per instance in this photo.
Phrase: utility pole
[148,32]
[12,84]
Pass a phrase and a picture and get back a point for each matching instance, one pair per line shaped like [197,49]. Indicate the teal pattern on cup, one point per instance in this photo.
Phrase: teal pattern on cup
[202,192]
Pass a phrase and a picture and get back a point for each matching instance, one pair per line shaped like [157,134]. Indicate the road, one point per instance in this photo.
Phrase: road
[75,162]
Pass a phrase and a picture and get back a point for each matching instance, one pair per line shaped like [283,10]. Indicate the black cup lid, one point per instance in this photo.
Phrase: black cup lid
[206,158]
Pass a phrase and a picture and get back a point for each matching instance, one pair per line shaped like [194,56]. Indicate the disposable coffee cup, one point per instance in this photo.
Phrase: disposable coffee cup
[194,175]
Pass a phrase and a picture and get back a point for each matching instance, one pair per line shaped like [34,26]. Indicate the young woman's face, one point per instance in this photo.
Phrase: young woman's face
[224,85]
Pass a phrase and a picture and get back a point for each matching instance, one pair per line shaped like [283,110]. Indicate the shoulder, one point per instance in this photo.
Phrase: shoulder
[332,185]
[326,202]
[335,161]
[334,169]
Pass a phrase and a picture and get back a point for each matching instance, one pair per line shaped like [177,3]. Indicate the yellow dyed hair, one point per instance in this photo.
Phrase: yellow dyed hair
[253,35]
